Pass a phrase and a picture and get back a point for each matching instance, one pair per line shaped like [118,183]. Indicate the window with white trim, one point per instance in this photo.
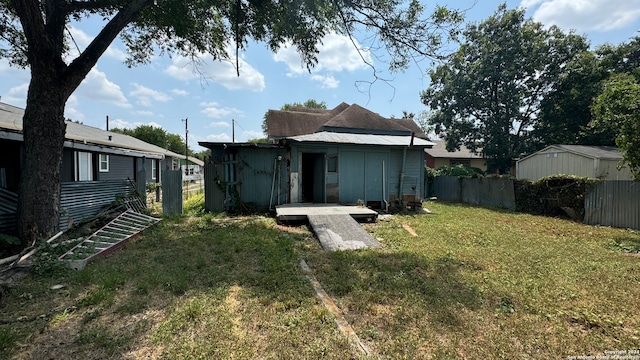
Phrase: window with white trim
[104,163]
[83,170]
[154,166]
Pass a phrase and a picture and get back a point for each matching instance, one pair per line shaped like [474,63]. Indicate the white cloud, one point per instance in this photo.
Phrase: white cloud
[123,124]
[219,124]
[146,96]
[218,137]
[17,95]
[71,109]
[583,16]
[252,134]
[12,72]
[179,92]
[144,113]
[82,40]
[336,53]
[222,72]
[96,86]
[120,124]
[328,82]
[214,110]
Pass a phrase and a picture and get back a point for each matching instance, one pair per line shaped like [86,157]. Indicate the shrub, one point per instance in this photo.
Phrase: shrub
[459,170]
[553,195]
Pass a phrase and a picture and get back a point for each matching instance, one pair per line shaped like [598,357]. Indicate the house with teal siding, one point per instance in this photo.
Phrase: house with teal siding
[94,162]
[346,155]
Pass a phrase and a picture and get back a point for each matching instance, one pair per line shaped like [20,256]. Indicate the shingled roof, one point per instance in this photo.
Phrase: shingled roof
[342,118]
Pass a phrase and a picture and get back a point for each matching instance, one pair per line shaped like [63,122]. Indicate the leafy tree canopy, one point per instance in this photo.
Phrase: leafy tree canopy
[157,136]
[487,95]
[618,107]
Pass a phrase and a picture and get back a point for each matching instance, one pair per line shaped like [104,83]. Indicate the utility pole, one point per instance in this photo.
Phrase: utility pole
[186,150]
[233,130]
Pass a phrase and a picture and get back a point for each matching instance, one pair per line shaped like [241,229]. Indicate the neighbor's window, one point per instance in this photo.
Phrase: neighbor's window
[332,163]
[104,163]
[154,165]
[460,162]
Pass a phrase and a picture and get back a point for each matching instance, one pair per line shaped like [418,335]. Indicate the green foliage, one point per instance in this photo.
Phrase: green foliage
[486,95]
[459,170]
[8,240]
[157,136]
[194,204]
[557,195]
[618,108]
[46,263]
[9,337]
[151,187]
[565,113]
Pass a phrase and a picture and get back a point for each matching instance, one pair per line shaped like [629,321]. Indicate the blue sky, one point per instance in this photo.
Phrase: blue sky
[167,91]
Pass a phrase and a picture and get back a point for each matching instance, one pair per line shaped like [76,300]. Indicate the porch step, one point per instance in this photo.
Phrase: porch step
[108,239]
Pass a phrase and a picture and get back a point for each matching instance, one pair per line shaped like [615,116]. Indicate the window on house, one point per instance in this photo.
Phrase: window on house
[83,170]
[104,163]
[154,166]
[460,162]
[332,163]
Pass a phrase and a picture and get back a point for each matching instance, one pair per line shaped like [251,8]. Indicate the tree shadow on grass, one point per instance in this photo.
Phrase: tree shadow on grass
[195,278]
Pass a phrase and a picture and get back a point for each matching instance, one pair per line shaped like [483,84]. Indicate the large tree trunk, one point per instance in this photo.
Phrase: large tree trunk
[52,82]
[44,134]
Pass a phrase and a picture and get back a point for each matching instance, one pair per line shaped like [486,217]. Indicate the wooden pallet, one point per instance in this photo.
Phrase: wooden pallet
[108,239]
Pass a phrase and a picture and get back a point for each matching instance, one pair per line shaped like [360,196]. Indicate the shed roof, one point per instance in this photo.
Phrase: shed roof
[302,121]
[593,152]
[11,119]
[439,150]
[361,139]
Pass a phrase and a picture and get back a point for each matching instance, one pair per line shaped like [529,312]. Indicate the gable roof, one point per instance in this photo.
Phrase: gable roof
[439,150]
[593,152]
[342,118]
[86,137]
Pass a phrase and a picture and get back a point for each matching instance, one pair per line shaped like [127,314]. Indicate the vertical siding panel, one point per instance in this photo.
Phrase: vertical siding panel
[171,192]
[213,195]
[255,171]
[614,203]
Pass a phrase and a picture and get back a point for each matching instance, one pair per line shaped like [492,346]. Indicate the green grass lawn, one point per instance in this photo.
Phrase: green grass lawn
[474,284]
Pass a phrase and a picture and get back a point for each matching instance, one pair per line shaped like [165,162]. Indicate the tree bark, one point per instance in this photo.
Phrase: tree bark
[44,132]
[52,82]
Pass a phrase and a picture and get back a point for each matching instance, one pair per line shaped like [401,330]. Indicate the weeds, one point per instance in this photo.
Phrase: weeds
[475,283]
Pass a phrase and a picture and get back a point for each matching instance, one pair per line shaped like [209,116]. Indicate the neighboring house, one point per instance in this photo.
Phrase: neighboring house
[438,156]
[599,162]
[193,171]
[91,156]
[344,155]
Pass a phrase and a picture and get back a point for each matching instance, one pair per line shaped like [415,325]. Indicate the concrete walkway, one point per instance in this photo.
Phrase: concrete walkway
[340,232]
